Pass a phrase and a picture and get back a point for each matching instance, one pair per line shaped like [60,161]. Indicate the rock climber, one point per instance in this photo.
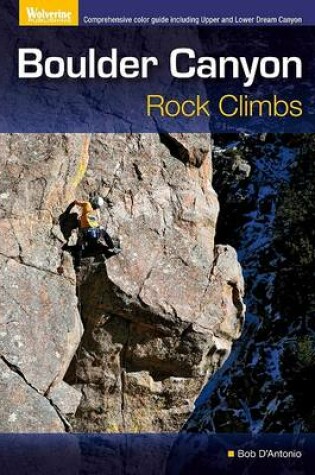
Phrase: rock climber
[91,232]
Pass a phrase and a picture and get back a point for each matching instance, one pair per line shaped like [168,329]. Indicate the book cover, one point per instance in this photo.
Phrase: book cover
[157,191]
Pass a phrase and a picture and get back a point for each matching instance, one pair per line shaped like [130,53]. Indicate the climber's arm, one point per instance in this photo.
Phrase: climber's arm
[98,214]
[81,204]
[69,208]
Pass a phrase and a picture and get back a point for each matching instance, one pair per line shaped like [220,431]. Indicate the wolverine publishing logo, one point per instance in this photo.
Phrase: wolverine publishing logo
[52,13]
[36,15]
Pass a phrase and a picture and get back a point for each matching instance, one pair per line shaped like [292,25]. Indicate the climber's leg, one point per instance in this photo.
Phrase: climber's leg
[78,251]
[107,239]
[109,242]
[78,257]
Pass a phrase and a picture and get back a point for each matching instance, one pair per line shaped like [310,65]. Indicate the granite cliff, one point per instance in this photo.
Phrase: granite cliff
[126,344]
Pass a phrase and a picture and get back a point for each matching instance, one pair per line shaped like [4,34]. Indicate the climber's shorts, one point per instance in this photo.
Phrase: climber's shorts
[91,233]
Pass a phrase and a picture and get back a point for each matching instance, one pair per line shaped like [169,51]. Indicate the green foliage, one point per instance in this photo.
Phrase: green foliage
[306,351]
[294,240]
[295,235]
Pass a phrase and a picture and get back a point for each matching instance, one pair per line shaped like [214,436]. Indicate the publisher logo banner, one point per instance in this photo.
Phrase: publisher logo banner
[49,13]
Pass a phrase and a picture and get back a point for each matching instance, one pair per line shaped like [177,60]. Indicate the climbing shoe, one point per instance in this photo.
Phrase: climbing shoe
[114,250]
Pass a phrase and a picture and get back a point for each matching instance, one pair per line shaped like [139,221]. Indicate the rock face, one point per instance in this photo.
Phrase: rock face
[158,319]
[40,325]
